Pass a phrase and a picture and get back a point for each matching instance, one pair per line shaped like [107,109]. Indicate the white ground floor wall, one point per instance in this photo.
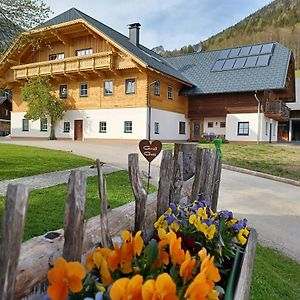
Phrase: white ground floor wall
[167,124]
[260,128]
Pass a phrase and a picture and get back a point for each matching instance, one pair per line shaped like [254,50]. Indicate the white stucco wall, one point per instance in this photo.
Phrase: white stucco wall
[216,129]
[232,127]
[114,118]
[169,125]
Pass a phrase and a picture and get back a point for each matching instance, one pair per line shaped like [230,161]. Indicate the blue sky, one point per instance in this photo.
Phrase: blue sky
[171,23]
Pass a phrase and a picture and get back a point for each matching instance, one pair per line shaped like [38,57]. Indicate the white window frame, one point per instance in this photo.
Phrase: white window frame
[102,127]
[83,89]
[57,56]
[63,95]
[83,52]
[25,124]
[128,127]
[110,88]
[44,124]
[130,86]
[67,126]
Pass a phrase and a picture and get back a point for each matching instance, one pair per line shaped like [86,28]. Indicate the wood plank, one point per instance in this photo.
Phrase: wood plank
[12,234]
[177,182]
[244,282]
[139,192]
[106,240]
[74,216]
[165,180]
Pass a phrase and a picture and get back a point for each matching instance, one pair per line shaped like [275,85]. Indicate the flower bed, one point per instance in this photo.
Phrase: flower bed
[189,257]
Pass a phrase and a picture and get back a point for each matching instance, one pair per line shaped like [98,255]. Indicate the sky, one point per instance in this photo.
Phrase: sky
[171,23]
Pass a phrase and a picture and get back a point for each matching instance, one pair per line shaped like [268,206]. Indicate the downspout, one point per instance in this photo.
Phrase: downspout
[258,117]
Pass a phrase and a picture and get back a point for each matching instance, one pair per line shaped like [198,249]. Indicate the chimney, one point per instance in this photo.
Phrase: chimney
[134,33]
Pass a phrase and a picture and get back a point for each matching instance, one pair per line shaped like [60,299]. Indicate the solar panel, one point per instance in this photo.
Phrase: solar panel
[245,51]
[263,60]
[234,52]
[224,54]
[266,49]
[229,64]
[218,65]
[240,62]
[255,49]
[251,61]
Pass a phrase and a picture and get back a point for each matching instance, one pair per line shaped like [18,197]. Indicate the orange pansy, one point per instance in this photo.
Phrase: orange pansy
[186,268]
[176,253]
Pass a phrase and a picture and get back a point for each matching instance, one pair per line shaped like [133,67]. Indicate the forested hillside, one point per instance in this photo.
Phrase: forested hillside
[278,21]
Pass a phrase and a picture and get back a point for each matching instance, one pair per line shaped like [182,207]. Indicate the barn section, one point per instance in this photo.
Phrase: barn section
[240,93]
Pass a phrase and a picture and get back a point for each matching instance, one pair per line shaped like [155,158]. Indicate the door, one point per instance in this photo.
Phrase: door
[78,130]
[283,132]
[196,130]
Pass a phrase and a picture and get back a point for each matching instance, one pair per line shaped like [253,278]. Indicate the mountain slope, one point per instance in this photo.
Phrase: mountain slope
[278,21]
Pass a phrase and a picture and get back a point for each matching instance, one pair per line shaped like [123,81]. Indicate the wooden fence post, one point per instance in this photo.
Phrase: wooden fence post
[105,235]
[177,182]
[12,234]
[165,180]
[139,192]
[74,216]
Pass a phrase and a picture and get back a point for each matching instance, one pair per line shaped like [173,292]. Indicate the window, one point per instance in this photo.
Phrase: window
[210,124]
[66,126]
[157,88]
[243,128]
[83,90]
[56,56]
[267,128]
[6,112]
[63,91]
[222,124]
[83,52]
[25,125]
[102,127]
[156,128]
[44,124]
[181,127]
[130,86]
[170,92]
[128,126]
[108,87]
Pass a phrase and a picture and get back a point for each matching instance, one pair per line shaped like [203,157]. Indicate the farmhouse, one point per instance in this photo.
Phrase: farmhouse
[120,89]
[5,109]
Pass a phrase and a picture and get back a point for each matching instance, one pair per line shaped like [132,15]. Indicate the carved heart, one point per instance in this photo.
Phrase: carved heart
[150,150]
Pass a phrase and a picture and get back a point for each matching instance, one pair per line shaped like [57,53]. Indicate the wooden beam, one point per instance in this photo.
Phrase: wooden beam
[99,73]
[13,62]
[92,33]
[61,37]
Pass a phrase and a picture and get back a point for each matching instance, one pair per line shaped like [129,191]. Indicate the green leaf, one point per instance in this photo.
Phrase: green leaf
[152,252]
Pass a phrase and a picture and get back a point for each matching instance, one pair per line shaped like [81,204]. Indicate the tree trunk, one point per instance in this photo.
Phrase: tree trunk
[52,130]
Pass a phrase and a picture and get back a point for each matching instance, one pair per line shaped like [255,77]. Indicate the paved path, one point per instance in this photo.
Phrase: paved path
[51,179]
[272,207]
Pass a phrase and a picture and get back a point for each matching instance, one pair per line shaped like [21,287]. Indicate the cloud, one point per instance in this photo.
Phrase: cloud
[171,23]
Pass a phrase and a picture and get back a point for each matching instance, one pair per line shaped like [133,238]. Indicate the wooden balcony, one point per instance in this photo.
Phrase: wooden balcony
[78,64]
[277,110]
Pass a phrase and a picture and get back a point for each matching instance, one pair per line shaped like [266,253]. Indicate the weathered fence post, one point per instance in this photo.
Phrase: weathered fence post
[189,158]
[165,180]
[177,183]
[139,192]
[74,216]
[12,234]
[105,235]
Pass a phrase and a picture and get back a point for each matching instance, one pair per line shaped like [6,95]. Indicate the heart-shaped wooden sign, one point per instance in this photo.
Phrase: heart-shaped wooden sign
[150,149]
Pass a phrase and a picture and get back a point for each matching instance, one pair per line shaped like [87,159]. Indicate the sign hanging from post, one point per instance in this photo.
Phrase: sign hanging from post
[150,150]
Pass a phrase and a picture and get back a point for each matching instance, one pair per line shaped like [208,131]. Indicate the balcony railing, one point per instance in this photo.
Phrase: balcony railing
[92,62]
[277,110]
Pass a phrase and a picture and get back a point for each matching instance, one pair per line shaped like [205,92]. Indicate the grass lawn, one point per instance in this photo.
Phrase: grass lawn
[19,161]
[275,276]
[277,160]
[46,206]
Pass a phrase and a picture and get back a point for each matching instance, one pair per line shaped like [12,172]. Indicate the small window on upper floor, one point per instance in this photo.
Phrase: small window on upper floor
[170,92]
[108,87]
[157,88]
[130,86]
[83,52]
[56,56]
[63,91]
[83,92]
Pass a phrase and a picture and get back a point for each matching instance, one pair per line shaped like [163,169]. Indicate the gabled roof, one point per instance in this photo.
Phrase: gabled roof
[197,68]
[148,57]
